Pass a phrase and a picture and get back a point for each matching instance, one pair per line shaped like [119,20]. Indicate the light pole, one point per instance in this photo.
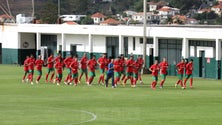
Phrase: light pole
[58,8]
[144,33]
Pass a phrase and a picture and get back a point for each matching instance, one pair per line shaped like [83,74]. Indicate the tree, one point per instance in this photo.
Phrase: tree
[185,5]
[87,20]
[49,13]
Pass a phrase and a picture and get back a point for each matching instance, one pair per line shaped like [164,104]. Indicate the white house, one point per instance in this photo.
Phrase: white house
[217,9]
[166,11]
[98,17]
[140,16]
[75,18]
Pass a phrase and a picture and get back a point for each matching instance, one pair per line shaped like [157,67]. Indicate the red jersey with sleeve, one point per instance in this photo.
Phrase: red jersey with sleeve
[140,61]
[189,68]
[67,61]
[83,62]
[92,65]
[129,65]
[31,63]
[102,62]
[136,67]
[117,65]
[50,62]
[26,64]
[39,63]
[59,67]
[57,59]
[180,67]
[122,65]
[163,67]
[74,66]
[155,68]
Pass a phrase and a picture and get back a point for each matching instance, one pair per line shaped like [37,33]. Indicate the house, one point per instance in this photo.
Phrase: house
[217,9]
[167,11]
[98,17]
[6,19]
[110,21]
[75,18]
[203,10]
[149,16]
[129,13]
[155,6]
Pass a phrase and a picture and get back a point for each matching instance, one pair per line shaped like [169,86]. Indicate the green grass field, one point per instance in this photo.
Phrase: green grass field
[48,104]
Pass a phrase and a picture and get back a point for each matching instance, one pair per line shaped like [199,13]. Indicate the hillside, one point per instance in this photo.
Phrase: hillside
[22,6]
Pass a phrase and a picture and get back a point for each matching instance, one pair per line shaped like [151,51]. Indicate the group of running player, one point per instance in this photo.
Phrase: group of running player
[119,69]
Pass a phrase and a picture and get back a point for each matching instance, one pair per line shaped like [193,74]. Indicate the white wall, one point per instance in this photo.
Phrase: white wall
[9,37]
[209,51]
[27,38]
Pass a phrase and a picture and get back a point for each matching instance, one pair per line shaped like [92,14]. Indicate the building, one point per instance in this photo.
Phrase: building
[6,19]
[200,43]
[98,17]
[74,18]
[150,17]
[21,18]
[166,12]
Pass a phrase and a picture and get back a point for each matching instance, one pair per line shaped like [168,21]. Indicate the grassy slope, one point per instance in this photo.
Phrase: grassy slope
[66,105]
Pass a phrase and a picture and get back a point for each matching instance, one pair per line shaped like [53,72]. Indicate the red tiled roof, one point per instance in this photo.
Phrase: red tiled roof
[217,6]
[99,15]
[5,16]
[165,9]
[111,21]
[71,23]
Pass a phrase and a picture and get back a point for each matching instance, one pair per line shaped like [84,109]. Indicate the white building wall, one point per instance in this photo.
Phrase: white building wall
[9,37]
[27,38]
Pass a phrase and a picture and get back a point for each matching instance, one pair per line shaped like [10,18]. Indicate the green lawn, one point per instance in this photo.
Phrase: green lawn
[48,104]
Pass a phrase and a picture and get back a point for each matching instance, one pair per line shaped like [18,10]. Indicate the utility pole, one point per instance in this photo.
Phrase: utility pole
[144,33]
[33,8]
[58,8]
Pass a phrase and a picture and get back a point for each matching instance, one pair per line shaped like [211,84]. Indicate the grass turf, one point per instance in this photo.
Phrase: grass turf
[48,104]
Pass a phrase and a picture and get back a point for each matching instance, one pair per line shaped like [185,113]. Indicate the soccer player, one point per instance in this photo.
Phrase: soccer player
[59,68]
[163,71]
[31,65]
[180,71]
[117,71]
[122,67]
[110,73]
[91,66]
[83,67]
[39,63]
[67,61]
[136,69]
[140,61]
[102,62]
[74,69]
[129,70]
[154,69]
[26,70]
[58,58]
[50,65]
[189,74]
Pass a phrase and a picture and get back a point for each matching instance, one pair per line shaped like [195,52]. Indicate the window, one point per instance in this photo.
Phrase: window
[134,43]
